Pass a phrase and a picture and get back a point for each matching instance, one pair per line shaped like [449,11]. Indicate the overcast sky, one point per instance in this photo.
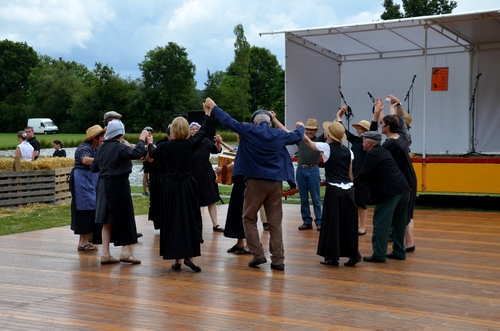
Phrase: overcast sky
[120,32]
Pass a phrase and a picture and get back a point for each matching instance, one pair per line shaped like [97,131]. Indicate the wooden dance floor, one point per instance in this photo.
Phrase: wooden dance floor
[451,282]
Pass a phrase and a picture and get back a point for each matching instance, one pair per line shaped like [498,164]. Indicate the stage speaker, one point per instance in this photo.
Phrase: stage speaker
[197,116]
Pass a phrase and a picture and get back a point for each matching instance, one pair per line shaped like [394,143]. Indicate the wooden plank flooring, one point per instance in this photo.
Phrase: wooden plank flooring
[451,282]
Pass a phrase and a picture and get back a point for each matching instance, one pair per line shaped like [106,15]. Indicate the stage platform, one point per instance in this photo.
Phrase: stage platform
[458,174]
[451,282]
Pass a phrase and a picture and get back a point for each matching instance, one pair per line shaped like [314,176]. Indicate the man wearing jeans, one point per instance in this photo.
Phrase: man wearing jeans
[265,163]
[308,178]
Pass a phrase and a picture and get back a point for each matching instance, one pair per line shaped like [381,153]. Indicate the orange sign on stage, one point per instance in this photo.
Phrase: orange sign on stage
[439,79]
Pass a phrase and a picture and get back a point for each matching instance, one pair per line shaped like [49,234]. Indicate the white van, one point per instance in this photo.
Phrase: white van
[42,125]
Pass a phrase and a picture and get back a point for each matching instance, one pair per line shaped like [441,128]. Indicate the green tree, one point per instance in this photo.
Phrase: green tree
[265,85]
[169,87]
[415,8]
[52,86]
[239,70]
[223,89]
[16,62]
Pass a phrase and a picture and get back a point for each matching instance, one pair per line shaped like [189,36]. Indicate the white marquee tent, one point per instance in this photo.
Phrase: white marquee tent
[383,57]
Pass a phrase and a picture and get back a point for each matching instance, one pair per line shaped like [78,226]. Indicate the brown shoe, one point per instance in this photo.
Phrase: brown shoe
[129,259]
[305,227]
[109,260]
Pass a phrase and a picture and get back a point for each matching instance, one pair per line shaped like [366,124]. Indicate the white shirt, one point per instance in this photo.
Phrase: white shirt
[26,151]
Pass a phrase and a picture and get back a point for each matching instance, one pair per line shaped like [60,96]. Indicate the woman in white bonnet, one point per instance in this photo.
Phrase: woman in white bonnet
[114,209]
[24,150]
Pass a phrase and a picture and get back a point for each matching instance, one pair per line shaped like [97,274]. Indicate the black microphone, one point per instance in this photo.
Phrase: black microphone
[371,97]
[478,75]
[415,76]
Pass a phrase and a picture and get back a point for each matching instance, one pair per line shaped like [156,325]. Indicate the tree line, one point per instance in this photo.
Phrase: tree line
[76,97]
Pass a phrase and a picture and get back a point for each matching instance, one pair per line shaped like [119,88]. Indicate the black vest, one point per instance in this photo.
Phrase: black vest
[337,166]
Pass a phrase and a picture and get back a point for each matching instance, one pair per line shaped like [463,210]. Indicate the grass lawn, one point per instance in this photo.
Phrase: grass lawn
[9,140]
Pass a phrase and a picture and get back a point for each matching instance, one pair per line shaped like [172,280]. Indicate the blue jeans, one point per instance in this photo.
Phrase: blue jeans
[308,181]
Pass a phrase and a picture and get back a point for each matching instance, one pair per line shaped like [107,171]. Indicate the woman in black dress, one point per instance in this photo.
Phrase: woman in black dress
[114,209]
[208,190]
[362,193]
[157,173]
[234,219]
[339,230]
[181,226]
[59,150]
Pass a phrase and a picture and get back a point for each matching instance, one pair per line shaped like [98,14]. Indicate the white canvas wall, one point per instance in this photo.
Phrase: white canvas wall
[447,112]
[312,91]
[487,102]
[311,87]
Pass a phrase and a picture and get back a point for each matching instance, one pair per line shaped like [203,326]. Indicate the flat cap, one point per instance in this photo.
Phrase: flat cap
[111,114]
[373,135]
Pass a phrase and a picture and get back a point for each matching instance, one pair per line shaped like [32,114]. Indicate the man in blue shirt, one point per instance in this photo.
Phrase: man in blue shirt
[265,162]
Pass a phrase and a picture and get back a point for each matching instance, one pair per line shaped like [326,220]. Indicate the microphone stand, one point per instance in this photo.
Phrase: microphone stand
[408,94]
[472,110]
[348,113]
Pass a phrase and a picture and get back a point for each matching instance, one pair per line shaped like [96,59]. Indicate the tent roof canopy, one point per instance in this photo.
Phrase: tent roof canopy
[402,37]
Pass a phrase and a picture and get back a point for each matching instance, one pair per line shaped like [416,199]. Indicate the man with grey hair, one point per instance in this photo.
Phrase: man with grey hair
[265,162]
[389,192]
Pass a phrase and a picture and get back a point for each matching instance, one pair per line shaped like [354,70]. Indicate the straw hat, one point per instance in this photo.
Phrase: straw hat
[312,124]
[363,125]
[335,130]
[93,132]
[408,120]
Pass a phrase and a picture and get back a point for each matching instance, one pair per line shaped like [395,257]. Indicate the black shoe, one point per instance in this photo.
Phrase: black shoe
[394,257]
[371,259]
[139,234]
[218,228]
[278,266]
[233,249]
[410,249]
[330,262]
[305,227]
[266,227]
[242,251]
[318,227]
[256,261]
[352,262]
[191,264]
[176,266]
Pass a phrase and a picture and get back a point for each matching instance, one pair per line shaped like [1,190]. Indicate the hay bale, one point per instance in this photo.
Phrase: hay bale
[42,163]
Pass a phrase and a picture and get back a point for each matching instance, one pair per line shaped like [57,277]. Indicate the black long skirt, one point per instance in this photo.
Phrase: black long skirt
[156,198]
[114,206]
[234,219]
[339,225]
[181,228]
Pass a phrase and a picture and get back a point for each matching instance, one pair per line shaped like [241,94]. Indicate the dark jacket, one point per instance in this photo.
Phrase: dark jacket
[382,175]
